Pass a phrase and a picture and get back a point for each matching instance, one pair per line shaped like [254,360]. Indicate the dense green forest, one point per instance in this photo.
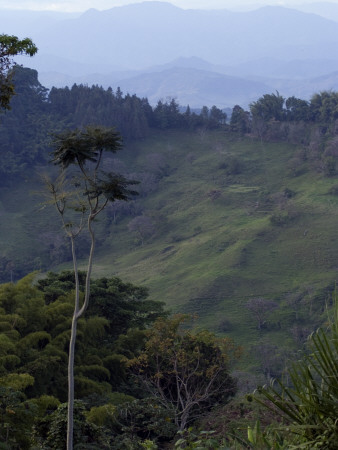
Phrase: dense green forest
[141,379]
[233,228]
[118,358]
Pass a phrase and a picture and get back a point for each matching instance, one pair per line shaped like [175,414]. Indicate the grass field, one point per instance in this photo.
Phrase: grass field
[232,223]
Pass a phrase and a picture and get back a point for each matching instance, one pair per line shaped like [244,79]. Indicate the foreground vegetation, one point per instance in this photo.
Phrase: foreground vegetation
[132,380]
[143,381]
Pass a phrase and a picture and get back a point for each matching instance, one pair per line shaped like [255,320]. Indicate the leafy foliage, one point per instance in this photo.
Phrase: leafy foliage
[10,46]
[189,439]
[310,403]
[38,320]
[81,146]
[50,431]
[268,107]
[144,419]
[187,372]
[34,336]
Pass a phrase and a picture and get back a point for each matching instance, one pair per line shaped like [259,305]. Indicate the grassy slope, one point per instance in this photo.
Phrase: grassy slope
[210,256]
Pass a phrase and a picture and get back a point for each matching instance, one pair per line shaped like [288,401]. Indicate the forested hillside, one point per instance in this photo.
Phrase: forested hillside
[234,224]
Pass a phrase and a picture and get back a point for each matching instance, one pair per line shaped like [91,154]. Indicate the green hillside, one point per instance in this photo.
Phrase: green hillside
[231,223]
[224,237]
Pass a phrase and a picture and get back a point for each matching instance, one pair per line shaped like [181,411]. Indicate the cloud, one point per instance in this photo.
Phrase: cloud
[83,5]
[50,5]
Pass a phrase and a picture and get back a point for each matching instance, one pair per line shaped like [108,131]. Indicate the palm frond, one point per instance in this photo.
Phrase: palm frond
[310,404]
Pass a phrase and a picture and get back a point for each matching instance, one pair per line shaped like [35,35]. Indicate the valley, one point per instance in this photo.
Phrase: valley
[223,230]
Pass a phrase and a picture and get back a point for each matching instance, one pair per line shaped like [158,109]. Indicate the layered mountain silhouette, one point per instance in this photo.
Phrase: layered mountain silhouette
[200,57]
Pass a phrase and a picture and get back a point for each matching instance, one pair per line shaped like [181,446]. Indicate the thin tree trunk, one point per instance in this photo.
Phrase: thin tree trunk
[77,314]
[89,268]
[71,356]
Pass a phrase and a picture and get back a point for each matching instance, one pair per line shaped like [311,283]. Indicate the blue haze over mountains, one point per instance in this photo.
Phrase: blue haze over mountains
[200,57]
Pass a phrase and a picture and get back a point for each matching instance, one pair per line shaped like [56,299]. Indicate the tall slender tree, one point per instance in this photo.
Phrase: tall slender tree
[80,193]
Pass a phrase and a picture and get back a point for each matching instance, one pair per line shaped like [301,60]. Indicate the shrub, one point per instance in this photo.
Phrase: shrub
[333,190]
[329,166]
[280,219]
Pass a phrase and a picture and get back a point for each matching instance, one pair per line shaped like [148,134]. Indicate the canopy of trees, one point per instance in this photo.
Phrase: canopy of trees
[188,372]
[35,325]
[123,333]
[36,114]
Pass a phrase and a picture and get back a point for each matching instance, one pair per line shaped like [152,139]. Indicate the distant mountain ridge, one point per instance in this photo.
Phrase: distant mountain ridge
[150,33]
[272,46]
[195,87]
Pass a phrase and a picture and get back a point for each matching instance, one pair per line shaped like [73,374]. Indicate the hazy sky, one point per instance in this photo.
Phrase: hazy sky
[83,5]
